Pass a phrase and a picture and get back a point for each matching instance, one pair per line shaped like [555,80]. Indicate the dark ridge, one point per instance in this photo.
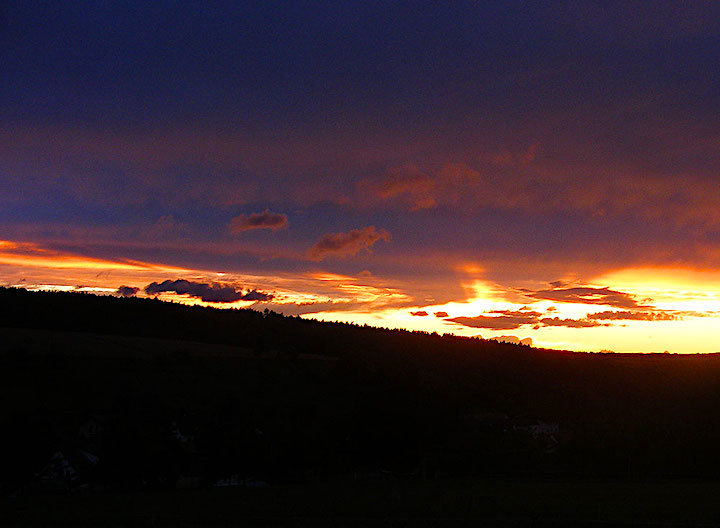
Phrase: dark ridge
[142,317]
[186,396]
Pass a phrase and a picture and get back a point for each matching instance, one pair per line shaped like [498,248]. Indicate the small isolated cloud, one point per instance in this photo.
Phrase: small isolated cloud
[632,316]
[588,295]
[207,292]
[421,313]
[440,314]
[346,244]
[264,220]
[514,340]
[127,291]
[570,323]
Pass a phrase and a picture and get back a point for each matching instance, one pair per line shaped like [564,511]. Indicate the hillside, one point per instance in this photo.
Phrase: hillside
[186,396]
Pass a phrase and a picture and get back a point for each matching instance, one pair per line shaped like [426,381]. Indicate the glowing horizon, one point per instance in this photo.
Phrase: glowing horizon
[664,300]
[531,171]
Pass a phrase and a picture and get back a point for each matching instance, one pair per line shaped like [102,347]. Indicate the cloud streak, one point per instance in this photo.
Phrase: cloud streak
[264,220]
[502,322]
[632,316]
[569,323]
[512,319]
[347,244]
[588,295]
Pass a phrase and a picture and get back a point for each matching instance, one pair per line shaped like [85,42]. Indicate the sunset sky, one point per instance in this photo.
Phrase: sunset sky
[485,169]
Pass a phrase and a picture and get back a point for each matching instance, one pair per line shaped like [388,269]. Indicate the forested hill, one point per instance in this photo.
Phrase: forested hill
[259,331]
[277,398]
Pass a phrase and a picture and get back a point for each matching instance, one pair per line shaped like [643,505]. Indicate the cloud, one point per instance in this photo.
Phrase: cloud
[406,185]
[421,313]
[587,295]
[440,314]
[503,322]
[513,339]
[127,291]
[417,190]
[207,292]
[346,244]
[633,316]
[570,323]
[264,220]
[254,295]
[522,312]
[513,319]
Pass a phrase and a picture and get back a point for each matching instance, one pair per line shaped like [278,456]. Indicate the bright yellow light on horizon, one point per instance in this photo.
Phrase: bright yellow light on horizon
[693,295]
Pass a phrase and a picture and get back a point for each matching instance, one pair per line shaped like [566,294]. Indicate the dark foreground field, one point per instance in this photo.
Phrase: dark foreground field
[389,502]
[125,412]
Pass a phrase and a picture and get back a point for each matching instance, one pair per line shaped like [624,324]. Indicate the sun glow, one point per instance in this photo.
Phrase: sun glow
[677,309]
[670,288]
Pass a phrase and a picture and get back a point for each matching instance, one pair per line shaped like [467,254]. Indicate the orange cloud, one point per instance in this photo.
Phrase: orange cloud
[32,255]
[346,244]
[633,316]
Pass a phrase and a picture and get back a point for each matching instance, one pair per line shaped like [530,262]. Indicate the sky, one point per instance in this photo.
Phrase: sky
[496,169]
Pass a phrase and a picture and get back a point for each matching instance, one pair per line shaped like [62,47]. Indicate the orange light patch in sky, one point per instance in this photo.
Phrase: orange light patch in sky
[670,288]
[31,255]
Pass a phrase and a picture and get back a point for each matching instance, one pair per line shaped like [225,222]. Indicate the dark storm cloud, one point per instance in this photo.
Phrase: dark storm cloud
[346,244]
[633,316]
[264,220]
[127,291]
[587,295]
[208,292]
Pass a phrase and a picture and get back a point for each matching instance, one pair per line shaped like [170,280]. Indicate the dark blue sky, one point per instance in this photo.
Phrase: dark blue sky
[535,141]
